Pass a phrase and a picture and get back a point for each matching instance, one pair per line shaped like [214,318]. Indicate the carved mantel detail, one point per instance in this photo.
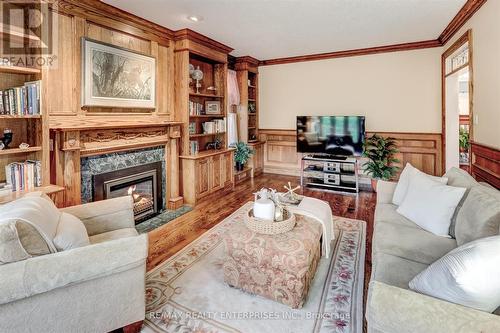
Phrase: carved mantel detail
[109,141]
[71,144]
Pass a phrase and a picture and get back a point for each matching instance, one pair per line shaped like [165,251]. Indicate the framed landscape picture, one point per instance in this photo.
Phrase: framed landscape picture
[116,77]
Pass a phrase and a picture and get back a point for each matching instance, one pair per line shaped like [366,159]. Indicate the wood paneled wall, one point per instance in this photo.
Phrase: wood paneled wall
[422,150]
[73,24]
[486,164]
[122,128]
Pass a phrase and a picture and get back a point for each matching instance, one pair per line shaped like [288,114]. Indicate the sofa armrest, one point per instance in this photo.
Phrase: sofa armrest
[106,215]
[393,309]
[44,273]
[385,191]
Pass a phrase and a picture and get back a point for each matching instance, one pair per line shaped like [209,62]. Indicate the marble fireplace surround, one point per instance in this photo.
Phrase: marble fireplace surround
[97,165]
[79,149]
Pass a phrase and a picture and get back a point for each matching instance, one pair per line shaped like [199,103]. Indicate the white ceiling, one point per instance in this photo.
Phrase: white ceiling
[267,29]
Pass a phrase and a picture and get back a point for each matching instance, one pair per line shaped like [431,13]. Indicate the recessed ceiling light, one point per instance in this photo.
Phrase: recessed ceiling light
[195,18]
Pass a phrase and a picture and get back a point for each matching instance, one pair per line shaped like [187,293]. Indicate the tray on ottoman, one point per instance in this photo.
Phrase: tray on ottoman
[279,267]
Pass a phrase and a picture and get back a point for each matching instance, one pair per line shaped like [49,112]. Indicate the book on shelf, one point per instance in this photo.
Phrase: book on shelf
[196,109]
[25,175]
[192,128]
[194,147]
[214,126]
[21,101]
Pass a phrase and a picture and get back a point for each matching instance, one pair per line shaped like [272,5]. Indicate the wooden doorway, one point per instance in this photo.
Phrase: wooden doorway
[457,103]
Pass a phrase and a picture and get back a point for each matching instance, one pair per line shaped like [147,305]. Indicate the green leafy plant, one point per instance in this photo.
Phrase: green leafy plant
[242,153]
[463,139]
[380,151]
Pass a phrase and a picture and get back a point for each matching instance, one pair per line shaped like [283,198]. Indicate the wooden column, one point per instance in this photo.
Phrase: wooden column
[68,167]
[175,201]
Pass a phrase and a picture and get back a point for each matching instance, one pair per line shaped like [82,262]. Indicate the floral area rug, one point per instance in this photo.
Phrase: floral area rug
[187,293]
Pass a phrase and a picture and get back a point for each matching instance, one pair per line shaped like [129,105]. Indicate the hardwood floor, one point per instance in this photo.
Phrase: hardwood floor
[170,238]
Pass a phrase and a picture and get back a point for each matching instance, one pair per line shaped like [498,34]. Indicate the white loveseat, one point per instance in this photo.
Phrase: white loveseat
[94,288]
[401,250]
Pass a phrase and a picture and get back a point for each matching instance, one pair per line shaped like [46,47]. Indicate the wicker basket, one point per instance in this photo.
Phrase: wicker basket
[268,227]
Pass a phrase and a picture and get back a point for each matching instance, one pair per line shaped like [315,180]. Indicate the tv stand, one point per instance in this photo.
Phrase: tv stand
[328,157]
[326,172]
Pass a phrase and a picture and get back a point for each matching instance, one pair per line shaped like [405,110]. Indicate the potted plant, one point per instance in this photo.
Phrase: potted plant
[380,151]
[241,155]
[463,140]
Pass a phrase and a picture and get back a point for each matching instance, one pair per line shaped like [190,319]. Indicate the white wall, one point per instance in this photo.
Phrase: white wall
[485,25]
[397,92]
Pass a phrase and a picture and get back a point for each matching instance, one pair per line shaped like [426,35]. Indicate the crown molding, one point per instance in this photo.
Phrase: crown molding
[247,63]
[248,59]
[464,14]
[356,52]
[201,39]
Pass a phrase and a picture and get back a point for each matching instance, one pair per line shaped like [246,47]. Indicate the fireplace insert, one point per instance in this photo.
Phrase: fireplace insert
[143,183]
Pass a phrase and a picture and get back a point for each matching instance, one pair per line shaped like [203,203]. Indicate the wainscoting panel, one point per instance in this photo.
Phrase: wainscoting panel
[486,164]
[280,152]
[422,150]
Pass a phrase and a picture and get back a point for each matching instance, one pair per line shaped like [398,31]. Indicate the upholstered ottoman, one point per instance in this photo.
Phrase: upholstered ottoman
[279,267]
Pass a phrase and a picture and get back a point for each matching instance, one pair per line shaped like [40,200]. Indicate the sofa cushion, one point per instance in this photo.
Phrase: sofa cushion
[479,216]
[459,178]
[410,243]
[388,213]
[394,270]
[71,233]
[430,204]
[467,275]
[112,235]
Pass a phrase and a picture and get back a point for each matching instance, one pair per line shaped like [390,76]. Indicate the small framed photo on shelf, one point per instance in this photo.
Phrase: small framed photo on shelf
[212,108]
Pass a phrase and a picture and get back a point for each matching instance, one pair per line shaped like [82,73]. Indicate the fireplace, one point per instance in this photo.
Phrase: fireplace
[143,183]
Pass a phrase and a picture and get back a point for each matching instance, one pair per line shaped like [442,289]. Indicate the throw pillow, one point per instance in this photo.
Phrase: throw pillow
[468,275]
[71,233]
[404,181]
[11,249]
[479,216]
[40,213]
[460,178]
[430,204]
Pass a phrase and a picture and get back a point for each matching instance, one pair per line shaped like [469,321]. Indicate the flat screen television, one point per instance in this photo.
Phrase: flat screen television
[332,135]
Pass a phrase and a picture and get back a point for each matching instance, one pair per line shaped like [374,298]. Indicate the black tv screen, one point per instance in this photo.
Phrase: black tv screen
[334,135]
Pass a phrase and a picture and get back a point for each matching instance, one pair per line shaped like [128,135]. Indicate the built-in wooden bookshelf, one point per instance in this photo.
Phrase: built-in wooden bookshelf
[206,170]
[31,129]
[248,81]
[202,127]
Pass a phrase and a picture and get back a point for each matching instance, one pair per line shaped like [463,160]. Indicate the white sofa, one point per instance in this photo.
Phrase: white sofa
[401,250]
[94,288]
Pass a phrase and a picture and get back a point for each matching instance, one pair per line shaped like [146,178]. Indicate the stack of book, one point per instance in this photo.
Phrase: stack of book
[214,126]
[21,101]
[196,109]
[22,176]
[194,147]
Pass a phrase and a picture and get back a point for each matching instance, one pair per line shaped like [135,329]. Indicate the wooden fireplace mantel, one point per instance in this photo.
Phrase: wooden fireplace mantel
[74,140]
